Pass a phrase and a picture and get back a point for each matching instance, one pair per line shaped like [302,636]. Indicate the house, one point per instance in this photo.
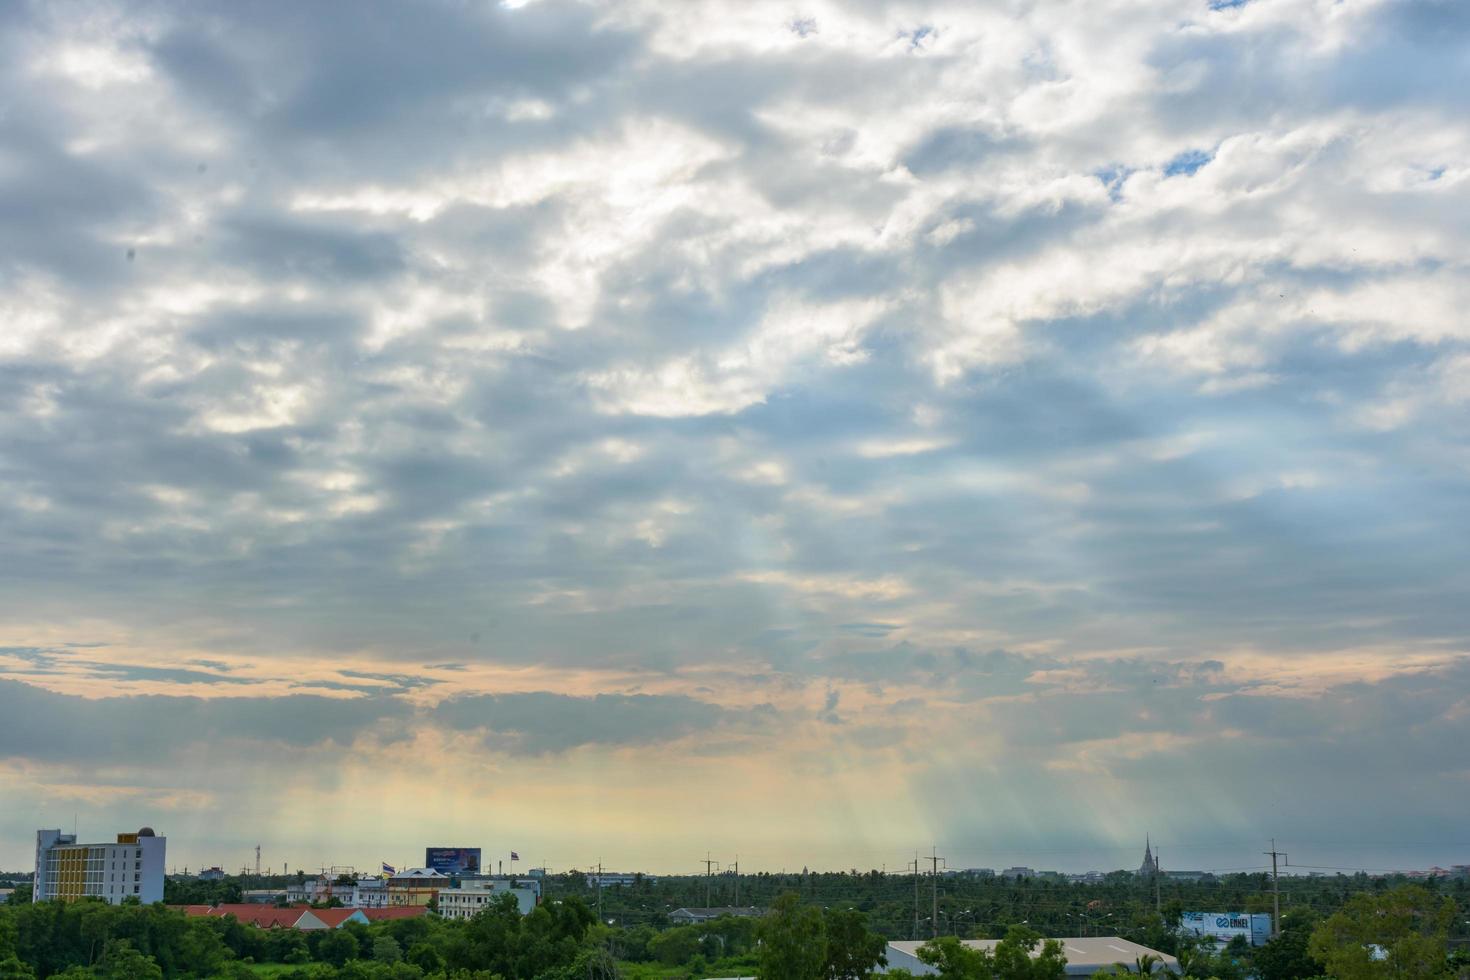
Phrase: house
[250,914]
[1084,956]
[269,917]
[364,893]
[401,912]
[313,919]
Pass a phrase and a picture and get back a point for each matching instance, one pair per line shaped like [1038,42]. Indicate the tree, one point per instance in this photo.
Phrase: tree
[793,941]
[121,960]
[337,947]
[1287,957]
[1399,934]
[386,950]
[11,968]
[675,946]
[1016,957]
[853,950]
[425,957]
[956,961]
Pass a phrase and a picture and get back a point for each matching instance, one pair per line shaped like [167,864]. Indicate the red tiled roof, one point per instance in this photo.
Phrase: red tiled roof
[397,912]
[333,918]
[195,910]
[262,916]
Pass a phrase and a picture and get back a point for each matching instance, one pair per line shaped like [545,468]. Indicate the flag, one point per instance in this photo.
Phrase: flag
[389,869]
[514,856]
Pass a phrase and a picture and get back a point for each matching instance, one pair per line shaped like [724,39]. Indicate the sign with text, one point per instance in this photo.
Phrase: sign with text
[453,860]
[1225,926]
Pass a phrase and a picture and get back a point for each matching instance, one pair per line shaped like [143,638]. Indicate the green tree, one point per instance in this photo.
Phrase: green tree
[1397,935]
[121,960]
[956,961]
[386,950]
[1022,955]
[676,946]
[11,968]
[1017,956]
[793,941]
[337,947]
[424,956]
[1287,957]
[853,950]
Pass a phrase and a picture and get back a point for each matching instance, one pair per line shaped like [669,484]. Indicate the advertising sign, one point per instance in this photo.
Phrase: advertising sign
[453,860]
[1225,926]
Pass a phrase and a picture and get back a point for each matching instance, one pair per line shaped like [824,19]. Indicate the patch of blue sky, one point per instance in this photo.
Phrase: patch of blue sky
[1187,163]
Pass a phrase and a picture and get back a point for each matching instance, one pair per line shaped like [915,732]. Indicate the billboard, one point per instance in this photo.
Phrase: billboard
[453,860]
[1225,926]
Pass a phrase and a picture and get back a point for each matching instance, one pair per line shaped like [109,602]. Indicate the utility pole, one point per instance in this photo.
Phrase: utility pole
[708,865]
[737,881]
[257,860]
[599,893]
[1158,882]
[916,894]
[934,860]
[1275,889]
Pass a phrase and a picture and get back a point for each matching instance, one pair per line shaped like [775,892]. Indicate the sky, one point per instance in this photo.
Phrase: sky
[801,430]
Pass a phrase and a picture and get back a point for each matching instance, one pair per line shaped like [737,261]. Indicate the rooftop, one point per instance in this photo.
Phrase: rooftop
[1085,956]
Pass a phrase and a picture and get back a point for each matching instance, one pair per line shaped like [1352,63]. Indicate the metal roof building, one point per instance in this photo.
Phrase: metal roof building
[1085,956]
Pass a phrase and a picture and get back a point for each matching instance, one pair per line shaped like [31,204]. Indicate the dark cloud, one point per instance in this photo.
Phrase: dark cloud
[865,352]
[151,729]
[540,722]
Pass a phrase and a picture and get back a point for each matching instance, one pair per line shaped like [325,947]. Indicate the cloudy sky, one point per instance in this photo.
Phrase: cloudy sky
[806,430]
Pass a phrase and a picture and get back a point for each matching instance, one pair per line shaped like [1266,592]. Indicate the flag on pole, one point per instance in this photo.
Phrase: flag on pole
[389,869]
[514,856]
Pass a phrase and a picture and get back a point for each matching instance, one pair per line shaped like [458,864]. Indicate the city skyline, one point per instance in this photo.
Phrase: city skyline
[1336,854]
[630,429]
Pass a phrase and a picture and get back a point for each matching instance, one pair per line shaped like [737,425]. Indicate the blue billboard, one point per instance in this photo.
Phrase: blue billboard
[453,860]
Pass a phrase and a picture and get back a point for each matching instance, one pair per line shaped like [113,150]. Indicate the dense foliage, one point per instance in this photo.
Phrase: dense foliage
[824,929]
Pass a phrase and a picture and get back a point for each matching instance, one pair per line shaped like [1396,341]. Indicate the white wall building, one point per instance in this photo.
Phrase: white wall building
[475,894]
[359,893]
[131,867]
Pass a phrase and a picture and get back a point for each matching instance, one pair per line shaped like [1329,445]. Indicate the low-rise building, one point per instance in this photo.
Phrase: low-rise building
[1085,956]
[686,917]
[130,867]
[267,917]
[415,886]
[474,894]
[357,893]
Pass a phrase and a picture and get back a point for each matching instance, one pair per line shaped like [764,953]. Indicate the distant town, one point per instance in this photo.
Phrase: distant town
[402,921]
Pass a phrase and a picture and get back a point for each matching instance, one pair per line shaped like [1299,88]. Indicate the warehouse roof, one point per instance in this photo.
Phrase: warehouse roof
[1085,955]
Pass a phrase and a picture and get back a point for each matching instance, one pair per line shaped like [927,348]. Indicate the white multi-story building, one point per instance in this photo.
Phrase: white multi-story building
[359,893]
[130,868]
[474,894]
